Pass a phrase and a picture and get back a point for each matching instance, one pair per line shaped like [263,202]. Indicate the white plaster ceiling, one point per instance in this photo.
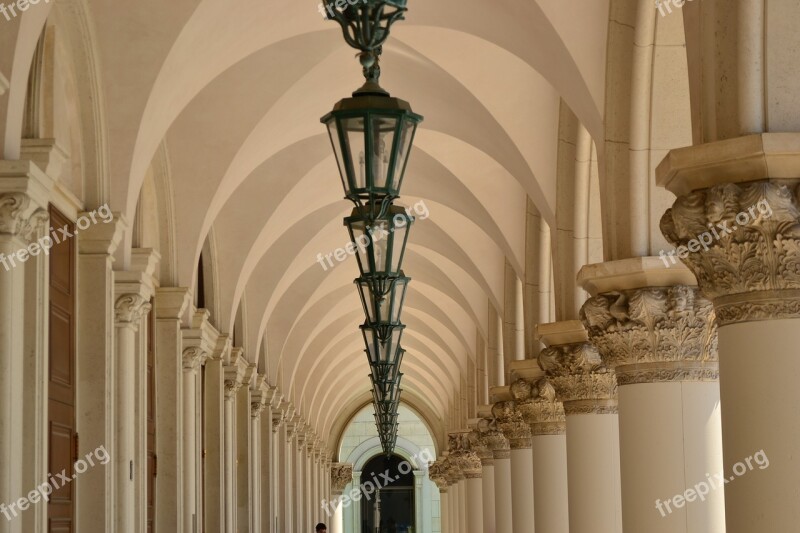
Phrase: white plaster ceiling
[235,91]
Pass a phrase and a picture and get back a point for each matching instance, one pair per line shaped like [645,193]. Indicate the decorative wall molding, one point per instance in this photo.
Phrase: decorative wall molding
[750,271]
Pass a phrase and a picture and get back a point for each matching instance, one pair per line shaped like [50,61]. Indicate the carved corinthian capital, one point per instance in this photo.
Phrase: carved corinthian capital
[193,358]
[437,473]
[537,404]
[654,334]
[12,211]
[231,388]
[479,445]
[751,269]
[341,475]
[510,422]
[581,381]
[493,439]
[130,308]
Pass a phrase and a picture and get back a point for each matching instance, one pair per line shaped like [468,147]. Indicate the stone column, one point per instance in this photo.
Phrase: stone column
[271,420]
[130,309]
[662,343]
[170,303]
[300,477]
[23,216]
[444,505]
[287,481]
[536,402]
[214,438]
[200,341]
[735,225]
[463,518]
[234,377]
[341,475]
[518,433]
[95,358]
[437,474]
[355,505]
[472,471]
[243,496]
[259,454]
[453,477]
[194,357]
[500,358]
[478,444]
[501,453]
[588,391]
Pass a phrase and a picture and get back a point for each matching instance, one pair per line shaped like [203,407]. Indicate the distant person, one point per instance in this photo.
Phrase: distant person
[321,528]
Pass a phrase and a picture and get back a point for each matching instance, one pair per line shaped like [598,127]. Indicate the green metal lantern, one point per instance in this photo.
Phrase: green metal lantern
[383,343]
[380,240]
[386,391]
[382,298]
[372,134]
[372,138]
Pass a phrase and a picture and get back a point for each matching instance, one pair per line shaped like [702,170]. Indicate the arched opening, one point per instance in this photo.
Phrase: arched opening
[410,502]
[390,508]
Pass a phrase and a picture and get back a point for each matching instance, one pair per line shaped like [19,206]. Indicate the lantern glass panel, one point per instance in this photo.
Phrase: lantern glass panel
[382,299]
[382,350]
[380,244]
[399,242]
[341,162]
[403,148]
[383,134]
[353,129]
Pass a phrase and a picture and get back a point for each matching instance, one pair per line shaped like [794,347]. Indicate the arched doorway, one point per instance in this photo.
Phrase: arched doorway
[391,508]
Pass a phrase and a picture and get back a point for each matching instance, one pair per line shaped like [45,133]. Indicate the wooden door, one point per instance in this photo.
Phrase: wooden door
[63,439]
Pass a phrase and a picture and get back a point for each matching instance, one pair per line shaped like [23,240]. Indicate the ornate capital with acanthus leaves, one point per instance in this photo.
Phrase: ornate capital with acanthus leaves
[478,444]
[582,383]
[193,358]
[654,334]
[537,404]
[462,457]
[232,386]
[437,472]
[510,422]
[341,475]
[15,218]
[130,308]
[750,269]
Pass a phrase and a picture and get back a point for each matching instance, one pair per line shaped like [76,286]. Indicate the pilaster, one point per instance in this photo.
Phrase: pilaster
[96,495]
[170,304]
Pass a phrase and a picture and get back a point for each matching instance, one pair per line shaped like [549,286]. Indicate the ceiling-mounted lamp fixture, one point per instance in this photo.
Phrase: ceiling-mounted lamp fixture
[372,134]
